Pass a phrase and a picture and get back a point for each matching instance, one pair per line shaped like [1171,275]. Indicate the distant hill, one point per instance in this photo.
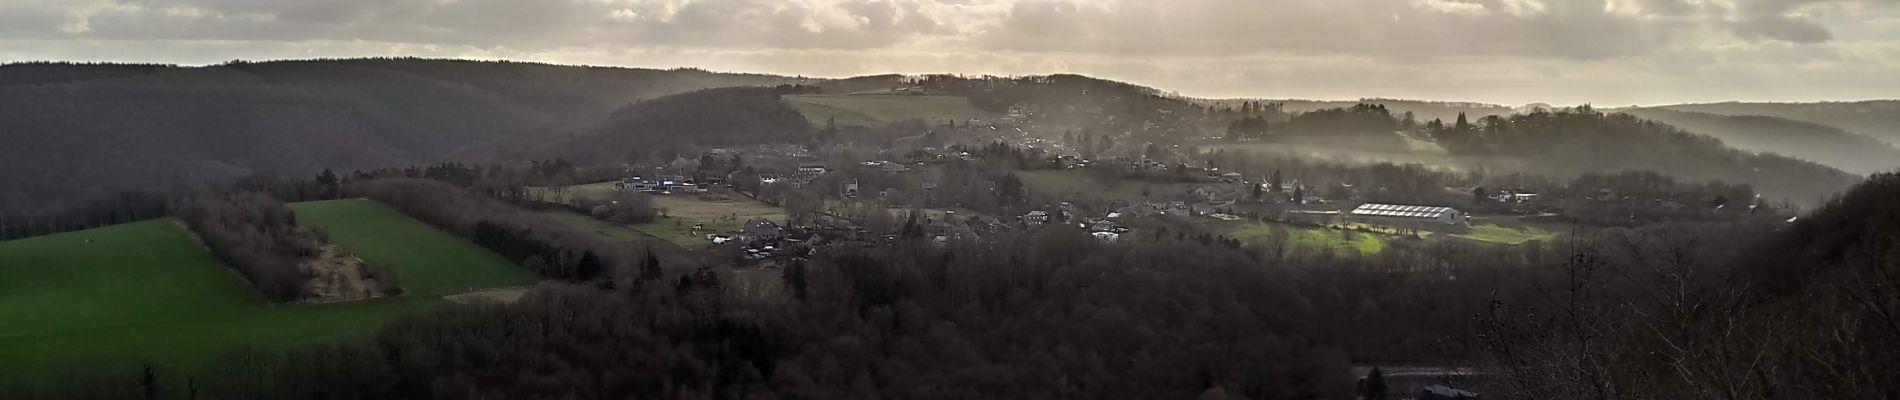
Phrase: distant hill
[1573,141]
[1877,118]
[75,132]
[1819,143]
[1421,110]
[661,127]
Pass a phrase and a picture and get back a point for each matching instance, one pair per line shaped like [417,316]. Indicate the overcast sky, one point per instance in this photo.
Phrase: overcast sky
[1606,52]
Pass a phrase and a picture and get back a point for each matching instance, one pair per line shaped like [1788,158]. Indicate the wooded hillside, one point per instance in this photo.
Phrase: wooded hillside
[1819,143]
[1877,118]
[80,132]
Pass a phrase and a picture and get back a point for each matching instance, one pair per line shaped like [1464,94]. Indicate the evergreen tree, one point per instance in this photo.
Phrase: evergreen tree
[650,270]
[1374,387]
[795,278]
[588,267]
[327,183]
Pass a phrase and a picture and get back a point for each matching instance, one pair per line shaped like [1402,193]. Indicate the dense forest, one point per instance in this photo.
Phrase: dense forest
[1363,126]
[1420,110]
[83,132]
[1677,311]
[1819,143]
[667,127]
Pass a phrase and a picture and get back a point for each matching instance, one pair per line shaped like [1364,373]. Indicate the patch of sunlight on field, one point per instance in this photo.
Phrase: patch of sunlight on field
[1507,235]
[1306,238]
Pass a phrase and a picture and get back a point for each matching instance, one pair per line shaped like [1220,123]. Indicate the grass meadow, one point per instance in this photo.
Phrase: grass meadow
[116,296]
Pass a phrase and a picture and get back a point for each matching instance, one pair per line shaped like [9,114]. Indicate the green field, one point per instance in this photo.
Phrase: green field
[427,261]
[112,296]
[1306,238]
[1511,235]
[602,228]
[678,213]
[867,109]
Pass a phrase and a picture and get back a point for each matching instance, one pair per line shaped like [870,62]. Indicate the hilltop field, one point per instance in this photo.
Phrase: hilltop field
[147,291]
[875,108]
[723,211]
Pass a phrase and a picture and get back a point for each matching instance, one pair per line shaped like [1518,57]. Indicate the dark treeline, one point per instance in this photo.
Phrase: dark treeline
[534,240]
[1637,197]
[117,209]
[1621,198]
[1363,126]
[620,208]
[507,182]
[259,236]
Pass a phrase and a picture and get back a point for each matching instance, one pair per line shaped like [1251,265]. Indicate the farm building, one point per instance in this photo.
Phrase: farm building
[759,230]
[1443,215]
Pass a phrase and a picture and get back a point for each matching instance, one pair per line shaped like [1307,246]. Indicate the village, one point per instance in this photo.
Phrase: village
[958,182]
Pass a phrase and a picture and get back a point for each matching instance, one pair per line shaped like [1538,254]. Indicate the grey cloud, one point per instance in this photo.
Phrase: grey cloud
[1794,30]
[30,18]
[854,24]
[1377,28]
[1554,50]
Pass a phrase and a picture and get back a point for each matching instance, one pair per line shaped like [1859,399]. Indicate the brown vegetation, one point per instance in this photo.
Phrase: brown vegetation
[259,237]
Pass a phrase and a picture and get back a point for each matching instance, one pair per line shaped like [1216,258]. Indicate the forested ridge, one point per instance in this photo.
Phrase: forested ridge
[79,132]
[1573,141]
[654,129]
[1876,118]
[1748,310]
[1809,141]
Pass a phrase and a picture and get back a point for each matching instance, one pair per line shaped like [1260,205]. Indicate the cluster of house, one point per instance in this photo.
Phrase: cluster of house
[1164,208]
[1512,196]
[889,167]
[1104,229]
[800,177]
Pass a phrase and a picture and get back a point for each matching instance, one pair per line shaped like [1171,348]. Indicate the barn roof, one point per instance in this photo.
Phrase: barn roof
[1402,211]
